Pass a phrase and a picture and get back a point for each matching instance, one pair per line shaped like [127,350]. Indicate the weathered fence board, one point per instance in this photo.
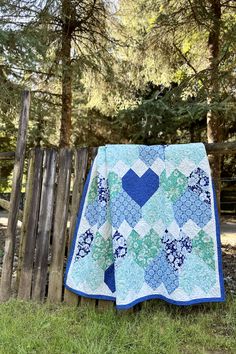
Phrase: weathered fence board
[5,285]
[29,225]
[105,305]
[85,301]
[80,166]
[60,227]
[221,148]
[44,225]
[9,155]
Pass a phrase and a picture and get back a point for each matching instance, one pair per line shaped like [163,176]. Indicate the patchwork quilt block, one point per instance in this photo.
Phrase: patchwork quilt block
[148,228]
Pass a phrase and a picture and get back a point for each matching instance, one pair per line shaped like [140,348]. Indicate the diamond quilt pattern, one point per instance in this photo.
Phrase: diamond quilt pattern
[149,215]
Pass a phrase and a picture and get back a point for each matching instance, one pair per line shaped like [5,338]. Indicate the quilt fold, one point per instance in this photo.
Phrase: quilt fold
[148,228]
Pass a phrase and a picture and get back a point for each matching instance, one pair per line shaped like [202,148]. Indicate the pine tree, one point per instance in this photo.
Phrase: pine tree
[54,42]
[191,43]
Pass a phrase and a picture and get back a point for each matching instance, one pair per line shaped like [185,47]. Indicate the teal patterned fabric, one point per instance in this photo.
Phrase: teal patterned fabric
[148,228]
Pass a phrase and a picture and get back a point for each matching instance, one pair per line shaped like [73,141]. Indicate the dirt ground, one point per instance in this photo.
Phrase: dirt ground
[228,242]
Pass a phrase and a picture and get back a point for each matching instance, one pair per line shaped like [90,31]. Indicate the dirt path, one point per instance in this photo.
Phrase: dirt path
[228,233]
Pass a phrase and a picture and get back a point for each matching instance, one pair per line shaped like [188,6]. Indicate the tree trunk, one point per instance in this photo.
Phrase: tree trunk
[67,30]
[214,124]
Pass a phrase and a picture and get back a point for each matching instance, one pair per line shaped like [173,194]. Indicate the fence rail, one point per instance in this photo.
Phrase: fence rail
[216,148]
[7,155]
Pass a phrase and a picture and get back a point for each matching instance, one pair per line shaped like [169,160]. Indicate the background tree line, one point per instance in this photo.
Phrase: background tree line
[103,71]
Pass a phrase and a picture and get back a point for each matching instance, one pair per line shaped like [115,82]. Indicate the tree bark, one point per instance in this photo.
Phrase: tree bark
[67,30]
[214,124]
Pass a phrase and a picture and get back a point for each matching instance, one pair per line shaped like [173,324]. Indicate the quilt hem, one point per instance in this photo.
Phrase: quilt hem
[145,298]
[91,296]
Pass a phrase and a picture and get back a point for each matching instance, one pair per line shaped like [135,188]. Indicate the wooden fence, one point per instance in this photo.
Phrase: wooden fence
[55,181]
[54,185]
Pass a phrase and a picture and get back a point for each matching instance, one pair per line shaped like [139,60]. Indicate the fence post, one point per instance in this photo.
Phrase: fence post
[5,285]
[60,227]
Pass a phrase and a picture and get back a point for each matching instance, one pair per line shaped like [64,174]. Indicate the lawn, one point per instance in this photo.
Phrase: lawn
[158,328]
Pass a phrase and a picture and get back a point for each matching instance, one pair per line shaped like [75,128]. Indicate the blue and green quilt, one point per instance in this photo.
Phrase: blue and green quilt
[148,228]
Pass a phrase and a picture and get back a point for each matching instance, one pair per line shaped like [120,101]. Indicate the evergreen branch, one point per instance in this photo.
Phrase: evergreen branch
[185,58]
[58,95]
[33,71]
[224,55]
[194,14]
[45,100]
[229,6]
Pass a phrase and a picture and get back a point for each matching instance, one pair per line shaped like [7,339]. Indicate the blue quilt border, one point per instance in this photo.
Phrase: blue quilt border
[153,296]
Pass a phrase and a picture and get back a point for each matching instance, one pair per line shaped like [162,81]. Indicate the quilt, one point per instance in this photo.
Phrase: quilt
[148,228]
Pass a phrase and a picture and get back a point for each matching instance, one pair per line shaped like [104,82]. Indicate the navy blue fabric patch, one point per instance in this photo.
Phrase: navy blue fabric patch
[109,278]
[84,245]
[140,189]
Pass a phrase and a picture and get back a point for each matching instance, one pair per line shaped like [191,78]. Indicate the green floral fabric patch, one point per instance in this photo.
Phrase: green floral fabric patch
[115,182]
[204,247]
[144,249]
[102,251]
[174,185]
[93,190]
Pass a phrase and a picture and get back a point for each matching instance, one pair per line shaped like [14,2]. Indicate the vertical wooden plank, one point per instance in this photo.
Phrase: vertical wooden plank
[29,226]
[216,177]
[26,211]
[85,301]
[60,227]
[44,225]
[29,189]
[81,160]
[5,285]
[104,305]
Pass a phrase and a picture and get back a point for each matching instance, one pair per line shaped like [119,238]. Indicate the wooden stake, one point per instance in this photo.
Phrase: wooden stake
[5,285]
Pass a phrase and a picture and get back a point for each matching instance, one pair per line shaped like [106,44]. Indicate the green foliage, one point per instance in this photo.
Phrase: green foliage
[116,55]
[171,118]
[161,43]
[30,52]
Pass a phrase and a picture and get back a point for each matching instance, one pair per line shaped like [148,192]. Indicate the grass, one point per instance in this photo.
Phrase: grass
[27,327]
